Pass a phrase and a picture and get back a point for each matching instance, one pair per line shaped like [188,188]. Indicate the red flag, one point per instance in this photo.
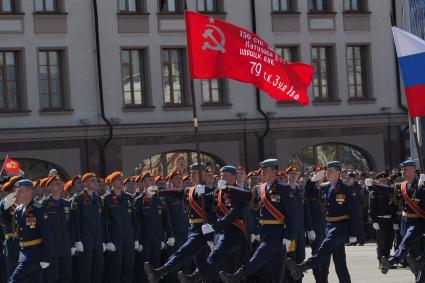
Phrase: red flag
[218,49]
[11,165]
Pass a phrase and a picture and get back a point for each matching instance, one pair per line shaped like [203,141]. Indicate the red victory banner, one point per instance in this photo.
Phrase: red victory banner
[218,49]
[11,165]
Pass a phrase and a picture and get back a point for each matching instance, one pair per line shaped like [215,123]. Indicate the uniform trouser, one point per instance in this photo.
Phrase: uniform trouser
[90,262]
[122,261]
[411,238]
[186,268]
[298,255]
[225,248]
[28,269]
[320,272]
[59,270]
[269,251]
[361,234]
[384,237]
[333,244]
[11,262]
[195,247]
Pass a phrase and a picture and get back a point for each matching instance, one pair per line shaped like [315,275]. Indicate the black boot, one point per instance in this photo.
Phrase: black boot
[385,264]
[154,275]
[415,265]
[191,278]
[233,278]
[296,269]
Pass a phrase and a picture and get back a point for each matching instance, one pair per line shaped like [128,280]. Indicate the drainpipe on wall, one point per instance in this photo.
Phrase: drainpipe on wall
[262,137]
[102,150]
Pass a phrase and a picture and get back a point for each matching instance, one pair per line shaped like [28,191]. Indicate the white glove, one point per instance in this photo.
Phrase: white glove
[110,247]
[222,184]
[252,238]
[44,265]
[396,227]
[286,243]
[311,235]
[79,247]
[421,180]
[368,182]
[73,251]
[207,228]
[104,247]
[162,245]
[211,245]
[140,248]
[171,241]
[152,190]
[375,226]
[200,189]
[258,238]
[318,176]
[136,245]
[352,240]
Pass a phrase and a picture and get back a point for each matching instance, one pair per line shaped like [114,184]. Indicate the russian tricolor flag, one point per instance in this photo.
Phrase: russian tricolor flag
[411,56]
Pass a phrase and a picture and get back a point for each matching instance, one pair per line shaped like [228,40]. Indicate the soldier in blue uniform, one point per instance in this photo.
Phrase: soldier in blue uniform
[197,245]
[88,229]
[277,230]
[342,223]
[230,226]
[34,234]
[315,217]
[413,215]
[120,230]
[58,210]
[10,243]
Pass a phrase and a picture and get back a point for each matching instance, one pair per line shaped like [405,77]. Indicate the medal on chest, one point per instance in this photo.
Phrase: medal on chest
[30,219]
[340,198]
[275,197]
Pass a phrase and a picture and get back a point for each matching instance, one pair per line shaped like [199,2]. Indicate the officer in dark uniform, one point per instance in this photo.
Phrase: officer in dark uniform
[342,223]
[58,210]
[382,212]
[315,217]
[10,243]
[197,245]
[230,226]
[34,234]
[358,196]
[88,229]
[413,215]
[277,226]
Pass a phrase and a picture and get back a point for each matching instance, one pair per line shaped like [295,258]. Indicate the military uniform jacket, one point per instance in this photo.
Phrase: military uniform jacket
[87,217]
[119,216]
[10,244]
[417,195]
[59,212]
[381,204]
[178,214]
[314,205]
[34,234]
[340,202]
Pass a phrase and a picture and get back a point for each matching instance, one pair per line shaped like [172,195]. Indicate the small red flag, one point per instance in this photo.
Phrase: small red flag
[218,49]
[11,165]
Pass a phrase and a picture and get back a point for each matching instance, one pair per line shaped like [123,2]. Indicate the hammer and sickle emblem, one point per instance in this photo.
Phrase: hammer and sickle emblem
[218,46]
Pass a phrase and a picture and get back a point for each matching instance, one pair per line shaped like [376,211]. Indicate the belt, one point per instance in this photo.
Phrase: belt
[8,236]
[384,216]
[337,218]
[30,243]
[270,222]
[196,221]
[410,215]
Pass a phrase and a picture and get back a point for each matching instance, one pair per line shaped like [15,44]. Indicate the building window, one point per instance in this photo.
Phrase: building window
[171,6]
[289,53]
[282,6]
[51,79]
[134,77]
[357,72]
[10,95]
[319,5]
[8,6]
[208,6]
[131,6]
[213,91]
[173,75]
[353,5]
[321,57]
[47,6]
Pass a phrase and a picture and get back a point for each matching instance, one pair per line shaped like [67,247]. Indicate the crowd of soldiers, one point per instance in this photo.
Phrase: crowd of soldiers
[202,227]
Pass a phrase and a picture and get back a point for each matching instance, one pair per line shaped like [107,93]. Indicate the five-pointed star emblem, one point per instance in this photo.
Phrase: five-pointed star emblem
[211,19]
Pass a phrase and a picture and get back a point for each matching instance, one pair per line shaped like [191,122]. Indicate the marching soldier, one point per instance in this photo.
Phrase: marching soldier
[197,245]
[120,230]
[342,223]
[315,216]
[88,230]
[382,213]
[277,226]
[413,215]
[34,234]
[58,209]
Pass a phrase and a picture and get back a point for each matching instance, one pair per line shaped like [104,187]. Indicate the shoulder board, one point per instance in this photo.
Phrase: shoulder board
[325,184]
[37,204]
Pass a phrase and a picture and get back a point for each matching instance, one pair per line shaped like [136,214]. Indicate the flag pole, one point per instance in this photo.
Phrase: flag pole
[4,162]
[195,122]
